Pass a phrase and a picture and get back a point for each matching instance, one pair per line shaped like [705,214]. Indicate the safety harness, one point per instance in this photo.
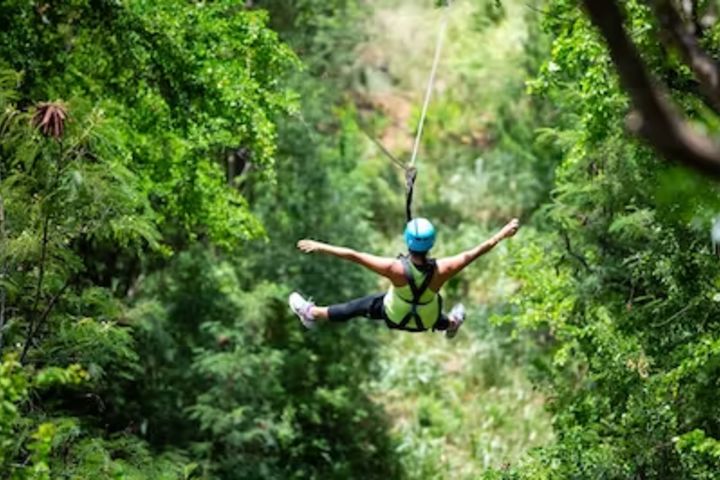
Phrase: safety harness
[417,293]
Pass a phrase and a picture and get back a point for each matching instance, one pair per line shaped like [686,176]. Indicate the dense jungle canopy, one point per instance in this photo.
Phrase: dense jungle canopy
[159,160]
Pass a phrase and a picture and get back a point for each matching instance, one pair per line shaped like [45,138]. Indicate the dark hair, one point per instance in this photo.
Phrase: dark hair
[426,265]
[422,255]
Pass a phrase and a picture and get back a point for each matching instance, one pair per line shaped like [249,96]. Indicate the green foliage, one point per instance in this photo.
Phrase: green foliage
[14,390]
[237,383]
[59,194]
[31,438]
[56,197]
[181,95]
[700,454]
[324,33]
[462,408]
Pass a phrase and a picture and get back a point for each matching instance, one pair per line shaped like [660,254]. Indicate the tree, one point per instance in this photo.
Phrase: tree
[620,286]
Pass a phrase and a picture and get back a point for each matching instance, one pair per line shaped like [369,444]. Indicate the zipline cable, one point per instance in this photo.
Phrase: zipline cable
[431,81]
[411,171]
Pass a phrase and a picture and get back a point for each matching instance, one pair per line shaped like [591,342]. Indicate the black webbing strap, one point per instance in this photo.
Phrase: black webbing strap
[417,293]
[410,177]
[440,310]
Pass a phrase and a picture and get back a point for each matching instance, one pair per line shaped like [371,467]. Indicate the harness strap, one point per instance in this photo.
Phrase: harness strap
[440,314]
[394,326]
[409,277]
[417,293]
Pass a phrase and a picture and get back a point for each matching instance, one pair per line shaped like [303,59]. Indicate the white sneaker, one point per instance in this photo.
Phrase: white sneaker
[456,317]
[303,309]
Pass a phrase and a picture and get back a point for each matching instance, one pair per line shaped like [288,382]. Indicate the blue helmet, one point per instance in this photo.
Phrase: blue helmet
[419,235]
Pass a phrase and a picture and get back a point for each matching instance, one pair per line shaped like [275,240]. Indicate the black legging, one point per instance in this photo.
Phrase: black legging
[370,307]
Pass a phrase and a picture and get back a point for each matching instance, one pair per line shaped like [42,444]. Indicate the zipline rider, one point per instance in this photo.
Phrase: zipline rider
[413,302]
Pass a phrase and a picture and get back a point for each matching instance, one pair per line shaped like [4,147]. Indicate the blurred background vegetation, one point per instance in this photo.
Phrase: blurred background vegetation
[159,160]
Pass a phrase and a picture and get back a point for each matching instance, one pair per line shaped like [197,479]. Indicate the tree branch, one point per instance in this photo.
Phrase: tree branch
[690,86]
[576,256]
[654,117]
[681,35]
[32,328]
[41,321]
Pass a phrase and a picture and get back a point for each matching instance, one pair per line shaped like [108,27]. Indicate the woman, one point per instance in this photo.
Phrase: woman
[413,302]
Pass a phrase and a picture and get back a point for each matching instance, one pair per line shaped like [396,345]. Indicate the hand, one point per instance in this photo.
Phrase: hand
[309,246]
[511,228]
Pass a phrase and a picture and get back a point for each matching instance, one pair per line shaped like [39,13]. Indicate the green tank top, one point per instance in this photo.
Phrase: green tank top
[398,303]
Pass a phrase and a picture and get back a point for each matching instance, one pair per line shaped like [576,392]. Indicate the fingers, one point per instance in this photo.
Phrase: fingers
[306,246]
[512,227]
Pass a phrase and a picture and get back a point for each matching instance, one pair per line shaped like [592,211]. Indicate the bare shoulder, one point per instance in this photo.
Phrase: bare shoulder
[446,266]
[397,272]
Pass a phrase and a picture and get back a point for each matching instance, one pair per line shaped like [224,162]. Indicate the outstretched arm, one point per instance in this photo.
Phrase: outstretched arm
[380,265]
[450,266]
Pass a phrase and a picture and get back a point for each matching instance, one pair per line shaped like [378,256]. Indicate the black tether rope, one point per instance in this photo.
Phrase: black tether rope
[410,176]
